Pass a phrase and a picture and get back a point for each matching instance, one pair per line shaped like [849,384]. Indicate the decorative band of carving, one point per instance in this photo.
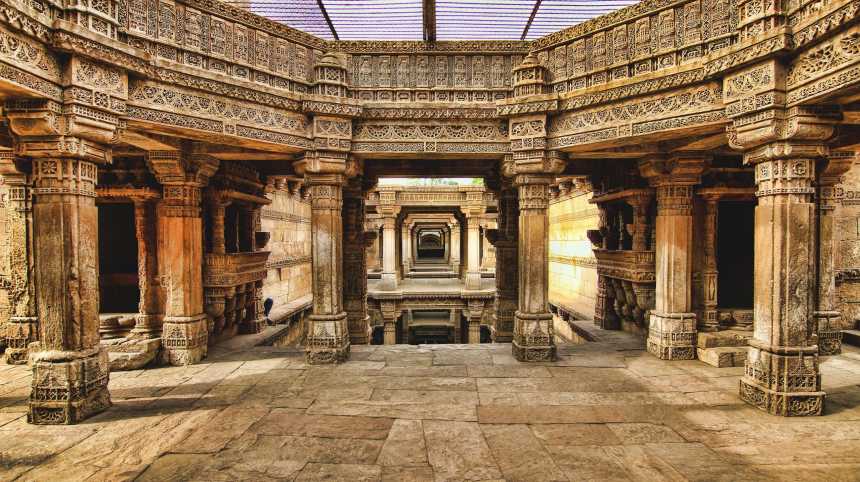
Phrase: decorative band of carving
[64,176]
[785,176]
[675,200]
[181,201]
[326,196]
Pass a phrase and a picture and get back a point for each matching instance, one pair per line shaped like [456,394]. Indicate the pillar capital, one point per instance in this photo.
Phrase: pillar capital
[784,132]
[678,168]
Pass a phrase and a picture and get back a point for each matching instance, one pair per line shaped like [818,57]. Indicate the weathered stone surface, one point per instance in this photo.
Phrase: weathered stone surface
[458,451]
[405,445]
[520,454]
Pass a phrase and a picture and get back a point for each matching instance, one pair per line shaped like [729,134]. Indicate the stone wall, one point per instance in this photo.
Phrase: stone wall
[289,268]
[572,266]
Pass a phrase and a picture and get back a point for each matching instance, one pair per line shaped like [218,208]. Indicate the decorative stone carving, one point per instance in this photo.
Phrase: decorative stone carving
[22,326]
[182,175]
[672,327]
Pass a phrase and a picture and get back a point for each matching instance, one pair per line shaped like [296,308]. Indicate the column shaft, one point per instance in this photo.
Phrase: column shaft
[829,194]
[473,261]
[149,318]
[507,262]
[781,374]
[22,328]
[328,333]
[185,330]
[710,321]
[355,243]
[70,370]
[672,328]
[389,253]
[533,338]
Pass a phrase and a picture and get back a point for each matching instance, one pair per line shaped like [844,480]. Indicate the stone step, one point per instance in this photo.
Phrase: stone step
[723,338]
[723,356]
[851,337]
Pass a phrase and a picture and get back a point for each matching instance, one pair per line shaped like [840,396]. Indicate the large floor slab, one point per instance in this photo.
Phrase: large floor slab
[606,411]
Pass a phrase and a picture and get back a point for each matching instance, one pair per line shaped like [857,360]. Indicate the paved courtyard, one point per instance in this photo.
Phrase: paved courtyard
[605,411]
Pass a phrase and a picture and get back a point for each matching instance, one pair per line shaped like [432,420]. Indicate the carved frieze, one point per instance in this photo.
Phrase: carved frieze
[694,106]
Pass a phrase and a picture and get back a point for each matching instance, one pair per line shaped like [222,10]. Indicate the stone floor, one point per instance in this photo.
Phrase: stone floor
[605,411]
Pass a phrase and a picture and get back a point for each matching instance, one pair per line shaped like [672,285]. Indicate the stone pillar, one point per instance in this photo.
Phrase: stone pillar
[829,195]
[22,328]
[672,327]
[505,240]
[355,243]
[476,313]
[70,369]
[182,174]
[456,249]
[389,319]
[781,373]
[473,255]
[389,251]
[405,248]
[148,321]
[710,321]
[533,338]
[328,335]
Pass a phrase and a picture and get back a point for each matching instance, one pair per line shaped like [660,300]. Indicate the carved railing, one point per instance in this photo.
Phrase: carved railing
[625,288]
[231,269]
[635,266]
[232,286]
[430,195]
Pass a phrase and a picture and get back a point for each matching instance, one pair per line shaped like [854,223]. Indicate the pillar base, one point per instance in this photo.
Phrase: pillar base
[672,336]
[184,339]
[388,281]
[359,330]
[473,280]
[788,385]
[20,331]
[829,333]
[68,387]
[328,339]
[533,339]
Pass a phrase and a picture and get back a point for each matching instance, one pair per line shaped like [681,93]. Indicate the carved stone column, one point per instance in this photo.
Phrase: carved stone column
[355,243]
[829,195]
[390,313]
[476,314]
[326,170]
[389,250]
[781,374]
[533,326]
[70,368]
[473,255]
[505,239]
[710,321]
[405,248]
[150,314]
[22,328]
[672,328]
[182,174]
[456,249]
